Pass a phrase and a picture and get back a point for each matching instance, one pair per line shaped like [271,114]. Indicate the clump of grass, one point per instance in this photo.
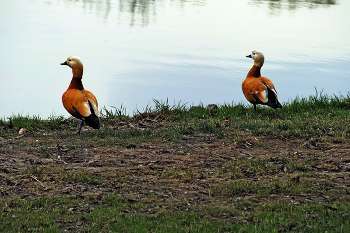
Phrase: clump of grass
[35,171]
[114,113]
[318,102]
[165,107]
[176,131]
[81,176]
[185,174]
[33,123]
[119,178]
[3,122]
[242,168]
[44,151]
[215,127]
[264,187]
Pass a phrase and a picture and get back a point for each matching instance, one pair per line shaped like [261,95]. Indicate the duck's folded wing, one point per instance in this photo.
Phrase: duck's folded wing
[272,98]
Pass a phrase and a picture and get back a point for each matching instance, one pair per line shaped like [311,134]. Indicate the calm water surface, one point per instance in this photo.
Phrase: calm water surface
[135,51]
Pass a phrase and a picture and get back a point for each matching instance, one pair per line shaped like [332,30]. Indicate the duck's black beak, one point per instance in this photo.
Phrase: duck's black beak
[64,63]
[249,56]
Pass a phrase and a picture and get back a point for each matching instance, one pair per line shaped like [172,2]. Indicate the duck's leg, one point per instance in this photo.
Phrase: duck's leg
[81,125]
[81,117]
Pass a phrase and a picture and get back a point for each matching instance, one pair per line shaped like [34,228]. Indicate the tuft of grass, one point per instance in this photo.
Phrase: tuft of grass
[185,174]
[245,168]
[114,113]
[165,107]
[81,176]
[35,171]
[264,188]
[35,123]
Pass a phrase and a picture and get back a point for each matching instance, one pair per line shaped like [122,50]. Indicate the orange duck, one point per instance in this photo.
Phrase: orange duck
[79,102]
[257,89]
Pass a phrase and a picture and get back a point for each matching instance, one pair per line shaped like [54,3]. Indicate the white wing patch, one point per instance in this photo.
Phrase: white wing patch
[87,111]
[87,107]
[95,109]
[264,93]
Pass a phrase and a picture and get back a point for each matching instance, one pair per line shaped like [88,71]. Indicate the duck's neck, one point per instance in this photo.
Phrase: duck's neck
[254,72]
[76,84]
[78,72]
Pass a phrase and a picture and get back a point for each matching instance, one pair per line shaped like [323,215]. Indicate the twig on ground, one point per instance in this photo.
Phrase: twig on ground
[33,177]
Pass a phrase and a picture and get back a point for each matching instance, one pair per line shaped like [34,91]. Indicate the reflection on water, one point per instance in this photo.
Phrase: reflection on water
[293,4]
[140,12]
[146,10]
[138,7]
[276,6]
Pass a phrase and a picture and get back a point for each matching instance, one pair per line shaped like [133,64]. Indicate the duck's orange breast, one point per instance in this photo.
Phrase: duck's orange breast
[79,99]
[256,86]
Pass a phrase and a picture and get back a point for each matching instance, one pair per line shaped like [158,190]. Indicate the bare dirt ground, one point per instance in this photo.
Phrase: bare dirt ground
[182,172]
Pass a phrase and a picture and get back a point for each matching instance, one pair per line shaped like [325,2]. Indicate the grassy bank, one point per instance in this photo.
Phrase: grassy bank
[180,168]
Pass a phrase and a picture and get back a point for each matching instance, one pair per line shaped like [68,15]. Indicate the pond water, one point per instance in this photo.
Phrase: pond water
[135,51]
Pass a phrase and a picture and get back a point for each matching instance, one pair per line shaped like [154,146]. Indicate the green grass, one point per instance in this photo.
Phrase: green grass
[81,176]
[35,122]
[113,214]
[184,174]
[35,171]
[265,187]
[114,113]
[317,116]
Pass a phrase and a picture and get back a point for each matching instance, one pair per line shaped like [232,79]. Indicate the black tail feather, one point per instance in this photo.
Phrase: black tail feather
[92,120]
[272,100]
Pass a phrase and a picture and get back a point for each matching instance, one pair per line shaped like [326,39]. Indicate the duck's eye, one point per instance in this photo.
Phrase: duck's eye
[254,53]
[69,59]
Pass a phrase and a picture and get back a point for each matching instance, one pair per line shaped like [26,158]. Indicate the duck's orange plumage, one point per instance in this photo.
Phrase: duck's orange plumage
[257,89]
[79,102]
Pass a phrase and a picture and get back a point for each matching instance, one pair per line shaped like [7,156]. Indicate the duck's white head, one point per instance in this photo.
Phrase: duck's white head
[75,63]
[258,58]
